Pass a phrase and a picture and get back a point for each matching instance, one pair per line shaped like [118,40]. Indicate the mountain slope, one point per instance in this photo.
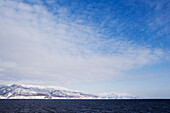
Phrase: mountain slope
[18,91]
[34,92]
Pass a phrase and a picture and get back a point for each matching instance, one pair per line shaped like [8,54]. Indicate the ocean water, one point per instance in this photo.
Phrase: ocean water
[84,106]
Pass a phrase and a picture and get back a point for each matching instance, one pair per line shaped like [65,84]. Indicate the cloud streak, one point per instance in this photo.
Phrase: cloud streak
[37,45]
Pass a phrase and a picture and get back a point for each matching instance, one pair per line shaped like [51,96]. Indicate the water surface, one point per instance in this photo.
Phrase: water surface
[84,106]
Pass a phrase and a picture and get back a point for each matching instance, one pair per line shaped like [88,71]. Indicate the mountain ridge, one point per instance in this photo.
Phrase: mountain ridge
[16,91]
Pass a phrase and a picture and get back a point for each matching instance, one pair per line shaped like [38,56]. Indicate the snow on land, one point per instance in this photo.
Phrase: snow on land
[38,92]
[117,95]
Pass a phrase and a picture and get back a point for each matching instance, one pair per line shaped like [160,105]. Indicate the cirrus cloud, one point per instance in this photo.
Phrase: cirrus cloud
[37,45]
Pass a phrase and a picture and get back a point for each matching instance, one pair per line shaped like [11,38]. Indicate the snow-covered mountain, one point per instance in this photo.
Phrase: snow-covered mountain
[34,92]
[117,95]
[17,91]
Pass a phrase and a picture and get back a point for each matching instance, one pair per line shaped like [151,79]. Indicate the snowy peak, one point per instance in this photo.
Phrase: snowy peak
[15,85]
[18,91]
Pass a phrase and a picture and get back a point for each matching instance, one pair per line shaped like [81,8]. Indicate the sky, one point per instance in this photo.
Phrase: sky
[89,45]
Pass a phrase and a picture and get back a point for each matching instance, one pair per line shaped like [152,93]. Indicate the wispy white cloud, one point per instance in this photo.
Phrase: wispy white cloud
[158,22]
[36,45]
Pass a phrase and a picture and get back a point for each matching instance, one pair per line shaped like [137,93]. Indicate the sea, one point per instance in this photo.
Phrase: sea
[84,106]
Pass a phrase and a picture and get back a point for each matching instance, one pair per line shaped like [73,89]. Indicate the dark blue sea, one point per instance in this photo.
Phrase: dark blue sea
[84,106]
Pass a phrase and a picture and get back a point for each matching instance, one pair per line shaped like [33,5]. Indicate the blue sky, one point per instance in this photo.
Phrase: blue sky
[89,45]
